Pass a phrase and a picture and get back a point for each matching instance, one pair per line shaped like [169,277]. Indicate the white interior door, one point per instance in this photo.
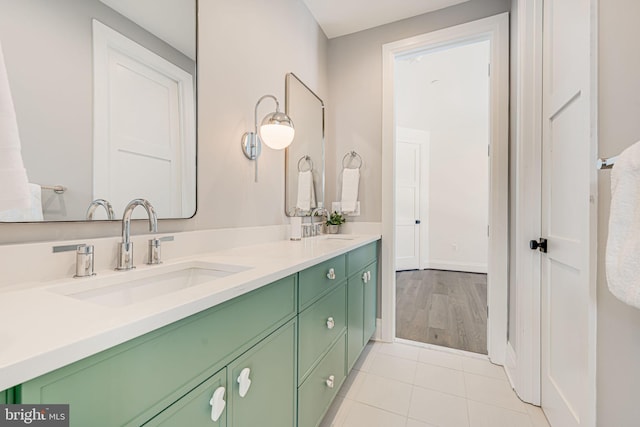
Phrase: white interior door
[568,314]
[408,222]
[139,144]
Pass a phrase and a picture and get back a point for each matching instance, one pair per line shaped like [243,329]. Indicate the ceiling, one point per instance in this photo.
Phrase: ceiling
[172,20]
[340,17]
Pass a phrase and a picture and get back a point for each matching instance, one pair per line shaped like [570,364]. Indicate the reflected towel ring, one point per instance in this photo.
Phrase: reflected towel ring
[305,159]
[349,158]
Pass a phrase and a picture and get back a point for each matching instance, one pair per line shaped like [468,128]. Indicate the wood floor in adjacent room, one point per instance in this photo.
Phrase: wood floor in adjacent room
[446,308]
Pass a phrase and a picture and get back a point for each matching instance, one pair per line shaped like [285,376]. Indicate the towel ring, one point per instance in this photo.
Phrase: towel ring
[349,158]
[305,159]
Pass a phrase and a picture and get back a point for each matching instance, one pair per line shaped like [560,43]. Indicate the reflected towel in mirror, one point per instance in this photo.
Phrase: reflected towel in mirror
[14,191]
[306,192]
[350,182]
[31,213]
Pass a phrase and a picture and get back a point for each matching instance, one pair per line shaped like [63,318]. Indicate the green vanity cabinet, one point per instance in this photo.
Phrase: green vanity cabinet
[269,400]
[276,356]
[132,382]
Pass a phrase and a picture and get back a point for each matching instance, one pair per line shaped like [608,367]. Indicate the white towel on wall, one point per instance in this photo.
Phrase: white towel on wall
[623,245]
[306,192]
[350,183]
[14,190]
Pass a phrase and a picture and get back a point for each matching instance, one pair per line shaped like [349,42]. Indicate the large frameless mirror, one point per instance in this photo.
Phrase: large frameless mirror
[104,95]
[304,160]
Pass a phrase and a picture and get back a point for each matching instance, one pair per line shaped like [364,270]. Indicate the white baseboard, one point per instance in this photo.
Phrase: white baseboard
[457,266]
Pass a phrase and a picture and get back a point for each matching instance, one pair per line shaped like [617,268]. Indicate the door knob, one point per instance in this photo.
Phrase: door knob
[417,221]
[541,245]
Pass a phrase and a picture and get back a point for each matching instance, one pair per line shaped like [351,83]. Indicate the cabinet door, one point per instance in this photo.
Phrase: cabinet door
[199,407]
[370,302]
[269,399]
[355,317]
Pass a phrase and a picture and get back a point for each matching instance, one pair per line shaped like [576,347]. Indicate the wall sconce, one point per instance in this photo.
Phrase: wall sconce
[276,131]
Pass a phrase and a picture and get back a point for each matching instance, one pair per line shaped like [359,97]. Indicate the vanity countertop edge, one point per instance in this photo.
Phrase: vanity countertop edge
[43,331]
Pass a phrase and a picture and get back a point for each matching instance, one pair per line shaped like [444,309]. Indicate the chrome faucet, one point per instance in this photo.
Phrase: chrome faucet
[100,202]
[314,212]
[125,252]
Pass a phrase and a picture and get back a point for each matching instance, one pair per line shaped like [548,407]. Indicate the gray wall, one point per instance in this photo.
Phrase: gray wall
[354,117]
[618,356]
[237,64]
[49,57]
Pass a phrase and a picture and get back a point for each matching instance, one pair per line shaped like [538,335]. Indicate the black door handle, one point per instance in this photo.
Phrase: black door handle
[417,221]
[541,245]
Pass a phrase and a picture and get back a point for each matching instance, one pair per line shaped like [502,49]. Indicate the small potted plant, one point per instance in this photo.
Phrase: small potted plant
[334,221]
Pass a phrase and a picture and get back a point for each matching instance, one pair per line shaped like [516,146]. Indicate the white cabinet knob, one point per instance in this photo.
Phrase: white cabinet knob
[331,275]
[244,382]
[368,276]
[364,277]
[217,404]
[330,381]
[331,323]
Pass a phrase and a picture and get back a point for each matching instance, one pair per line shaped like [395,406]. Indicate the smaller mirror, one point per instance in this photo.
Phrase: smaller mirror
[304,159]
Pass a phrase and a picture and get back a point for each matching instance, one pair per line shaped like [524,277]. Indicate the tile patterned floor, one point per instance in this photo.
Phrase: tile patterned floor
[406,386]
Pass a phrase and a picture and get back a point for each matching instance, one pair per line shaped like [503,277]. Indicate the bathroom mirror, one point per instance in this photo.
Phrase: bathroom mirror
[104,96]
[304,159]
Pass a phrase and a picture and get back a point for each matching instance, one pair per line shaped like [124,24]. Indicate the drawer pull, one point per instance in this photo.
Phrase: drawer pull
[244,382]
[330,381]
[331,323]
[364,277]
[331,275]
[368,276]
[217,404]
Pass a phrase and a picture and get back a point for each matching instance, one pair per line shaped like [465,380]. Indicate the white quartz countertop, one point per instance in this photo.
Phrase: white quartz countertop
[43,330]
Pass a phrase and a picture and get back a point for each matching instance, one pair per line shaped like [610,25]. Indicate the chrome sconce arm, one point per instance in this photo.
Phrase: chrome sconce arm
[276,131]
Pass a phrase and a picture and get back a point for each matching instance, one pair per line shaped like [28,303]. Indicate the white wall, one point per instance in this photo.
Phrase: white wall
[446,93]
[245,49]
[355,113]
[618,356]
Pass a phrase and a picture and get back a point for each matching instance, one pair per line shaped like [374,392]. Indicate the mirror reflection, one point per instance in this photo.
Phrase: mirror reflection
[304,160]
[103,94]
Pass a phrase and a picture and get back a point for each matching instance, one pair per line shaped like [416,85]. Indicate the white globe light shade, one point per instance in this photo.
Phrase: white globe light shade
[277,131]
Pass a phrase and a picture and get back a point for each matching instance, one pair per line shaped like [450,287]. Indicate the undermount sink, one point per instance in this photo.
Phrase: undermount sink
[122,289]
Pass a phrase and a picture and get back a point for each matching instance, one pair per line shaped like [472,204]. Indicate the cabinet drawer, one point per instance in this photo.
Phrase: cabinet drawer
[130,383]
[194,409]
[317,280]
[361,257]
[320,325]
[315,395]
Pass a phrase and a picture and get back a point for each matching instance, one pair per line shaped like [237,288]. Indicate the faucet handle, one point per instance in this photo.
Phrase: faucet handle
[84,258]
[155,245]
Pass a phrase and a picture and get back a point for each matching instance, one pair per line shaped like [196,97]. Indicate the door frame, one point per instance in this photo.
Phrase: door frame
[495,29]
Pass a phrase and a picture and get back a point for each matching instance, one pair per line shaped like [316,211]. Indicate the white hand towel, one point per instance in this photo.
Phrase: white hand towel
[350,182]
[306,193]
[14,190]
[623,245]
